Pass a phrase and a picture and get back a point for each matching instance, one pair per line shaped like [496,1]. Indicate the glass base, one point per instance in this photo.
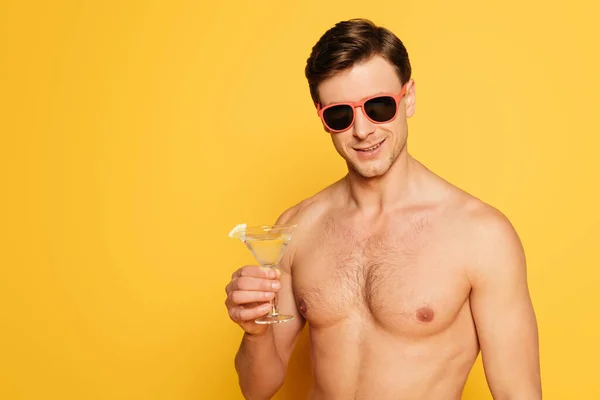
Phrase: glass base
[273,319]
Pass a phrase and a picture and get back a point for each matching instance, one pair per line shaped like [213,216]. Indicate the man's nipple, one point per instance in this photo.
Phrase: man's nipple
[302,307]
[425,314]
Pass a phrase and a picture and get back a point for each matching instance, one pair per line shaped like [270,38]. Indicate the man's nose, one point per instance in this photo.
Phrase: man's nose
[363,127]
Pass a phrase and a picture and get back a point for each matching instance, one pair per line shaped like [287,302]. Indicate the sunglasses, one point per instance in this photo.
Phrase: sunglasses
[379,109]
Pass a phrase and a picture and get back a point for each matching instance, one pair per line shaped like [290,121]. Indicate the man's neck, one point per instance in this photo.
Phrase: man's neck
[378,195]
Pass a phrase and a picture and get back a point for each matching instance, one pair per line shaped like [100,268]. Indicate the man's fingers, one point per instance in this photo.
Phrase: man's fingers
[255,271]
[241,314]
[249,292]
[256,284]
[238,297]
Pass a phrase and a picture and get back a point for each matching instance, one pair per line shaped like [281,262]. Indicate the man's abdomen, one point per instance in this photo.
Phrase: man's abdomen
[357,359]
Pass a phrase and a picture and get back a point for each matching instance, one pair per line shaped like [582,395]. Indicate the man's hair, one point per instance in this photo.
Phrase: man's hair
[351,42]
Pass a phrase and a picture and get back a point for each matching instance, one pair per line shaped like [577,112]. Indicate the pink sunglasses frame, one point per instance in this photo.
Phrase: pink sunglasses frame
[361,103]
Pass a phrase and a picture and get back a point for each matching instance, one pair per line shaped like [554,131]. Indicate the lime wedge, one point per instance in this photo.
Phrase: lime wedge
[238,232]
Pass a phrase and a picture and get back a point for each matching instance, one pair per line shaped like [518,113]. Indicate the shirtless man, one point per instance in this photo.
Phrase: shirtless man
[402,277]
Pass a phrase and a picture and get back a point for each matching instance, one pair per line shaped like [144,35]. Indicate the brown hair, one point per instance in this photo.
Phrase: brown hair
[351,42]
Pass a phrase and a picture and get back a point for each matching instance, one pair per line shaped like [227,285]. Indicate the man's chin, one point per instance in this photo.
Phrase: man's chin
[369,171]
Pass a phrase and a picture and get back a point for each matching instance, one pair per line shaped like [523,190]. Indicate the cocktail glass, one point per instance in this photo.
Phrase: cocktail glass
[267,244]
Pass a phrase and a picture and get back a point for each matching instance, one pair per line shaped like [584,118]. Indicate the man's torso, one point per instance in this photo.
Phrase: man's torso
[387,303]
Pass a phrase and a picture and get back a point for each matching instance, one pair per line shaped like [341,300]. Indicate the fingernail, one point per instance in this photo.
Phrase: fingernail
[268,294]
[272,274]
[276,285]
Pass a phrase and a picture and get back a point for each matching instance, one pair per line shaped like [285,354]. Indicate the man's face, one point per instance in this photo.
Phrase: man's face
[369,149]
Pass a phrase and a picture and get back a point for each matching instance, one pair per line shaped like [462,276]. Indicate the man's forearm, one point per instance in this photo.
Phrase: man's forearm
[260,369]
[519,390]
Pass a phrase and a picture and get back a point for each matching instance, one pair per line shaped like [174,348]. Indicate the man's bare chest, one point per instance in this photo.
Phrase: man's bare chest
[408,279]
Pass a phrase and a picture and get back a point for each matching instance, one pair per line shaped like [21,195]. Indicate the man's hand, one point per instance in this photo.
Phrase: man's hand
[248,295]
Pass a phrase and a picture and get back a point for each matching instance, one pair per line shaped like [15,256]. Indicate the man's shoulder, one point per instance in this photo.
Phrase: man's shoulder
[309,210]
[468,214]
[487,224]
[307,215]
[491,240]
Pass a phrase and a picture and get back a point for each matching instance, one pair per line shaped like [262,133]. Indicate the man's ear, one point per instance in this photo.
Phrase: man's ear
[410,98]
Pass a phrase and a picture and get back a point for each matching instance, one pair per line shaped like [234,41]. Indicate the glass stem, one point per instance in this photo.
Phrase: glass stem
[274,310]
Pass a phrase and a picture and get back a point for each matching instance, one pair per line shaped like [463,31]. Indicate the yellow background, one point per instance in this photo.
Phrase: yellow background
[135,134]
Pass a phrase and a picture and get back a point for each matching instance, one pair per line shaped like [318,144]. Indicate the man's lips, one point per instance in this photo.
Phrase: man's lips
[369,148]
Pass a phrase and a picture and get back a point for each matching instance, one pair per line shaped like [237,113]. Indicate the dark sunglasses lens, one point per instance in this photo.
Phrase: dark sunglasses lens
[381,109]
[338,117]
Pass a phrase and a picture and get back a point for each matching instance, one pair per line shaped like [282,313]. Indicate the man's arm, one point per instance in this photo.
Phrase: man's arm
[262,359]
[264,353]
[502,309]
